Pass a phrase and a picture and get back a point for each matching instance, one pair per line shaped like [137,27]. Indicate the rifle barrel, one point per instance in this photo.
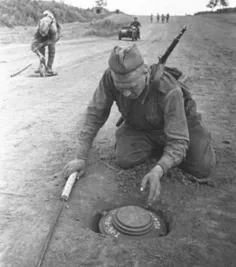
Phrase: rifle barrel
[164,58]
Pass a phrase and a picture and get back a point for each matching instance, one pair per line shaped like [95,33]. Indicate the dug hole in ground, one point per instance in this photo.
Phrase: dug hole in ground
[39,125]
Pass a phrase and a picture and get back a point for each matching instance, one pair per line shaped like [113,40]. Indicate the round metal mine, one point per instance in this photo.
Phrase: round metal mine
[131,222]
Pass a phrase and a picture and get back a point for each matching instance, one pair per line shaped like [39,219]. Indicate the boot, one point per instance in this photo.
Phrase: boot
[51,56]
[51,72]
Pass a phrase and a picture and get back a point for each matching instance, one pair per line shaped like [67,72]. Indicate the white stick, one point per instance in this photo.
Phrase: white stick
[68,186]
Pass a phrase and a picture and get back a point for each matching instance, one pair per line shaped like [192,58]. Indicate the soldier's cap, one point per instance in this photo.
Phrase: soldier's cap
[49,14]
[45,22]
[126,64]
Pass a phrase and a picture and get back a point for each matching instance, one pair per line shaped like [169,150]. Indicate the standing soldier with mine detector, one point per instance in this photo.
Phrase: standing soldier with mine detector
[46,35]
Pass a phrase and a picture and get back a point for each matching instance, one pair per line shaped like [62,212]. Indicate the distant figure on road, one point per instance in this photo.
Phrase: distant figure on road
[158,17]
[151,18]
[136,24]
[46,35]
[167,17]
[163,18]
[159,115]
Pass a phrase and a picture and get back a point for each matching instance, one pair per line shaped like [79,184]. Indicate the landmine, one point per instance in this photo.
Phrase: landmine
[132,222]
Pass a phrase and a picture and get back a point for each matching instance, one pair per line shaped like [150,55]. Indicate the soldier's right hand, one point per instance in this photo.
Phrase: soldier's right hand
[76,165]
[41,57]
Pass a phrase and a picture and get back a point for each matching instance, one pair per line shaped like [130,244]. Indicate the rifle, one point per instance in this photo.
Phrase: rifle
[162,60]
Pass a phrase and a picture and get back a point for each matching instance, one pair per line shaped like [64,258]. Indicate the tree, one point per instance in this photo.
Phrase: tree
[214,3]
[224,3]
[101,3]
[210,5]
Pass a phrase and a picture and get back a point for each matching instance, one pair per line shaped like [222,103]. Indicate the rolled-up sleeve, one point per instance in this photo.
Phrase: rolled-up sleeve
[95,115]
[176,130]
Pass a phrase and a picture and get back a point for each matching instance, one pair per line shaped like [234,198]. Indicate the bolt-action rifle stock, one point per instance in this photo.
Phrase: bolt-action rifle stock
[162,60]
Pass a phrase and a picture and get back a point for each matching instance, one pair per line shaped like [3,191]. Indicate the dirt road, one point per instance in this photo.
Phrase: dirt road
[39,122]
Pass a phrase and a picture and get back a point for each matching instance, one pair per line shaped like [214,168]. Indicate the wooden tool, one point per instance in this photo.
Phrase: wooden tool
[18,72]
[68,186]
[64,197]
[42,69]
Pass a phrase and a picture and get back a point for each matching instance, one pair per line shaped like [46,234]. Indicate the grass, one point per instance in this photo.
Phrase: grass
[21,15]
[108,26]
[27,12]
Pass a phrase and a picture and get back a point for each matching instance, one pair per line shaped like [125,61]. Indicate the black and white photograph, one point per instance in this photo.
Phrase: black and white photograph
[118,133]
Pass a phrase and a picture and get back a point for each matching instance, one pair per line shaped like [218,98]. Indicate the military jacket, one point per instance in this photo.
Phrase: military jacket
[135,24]
[51,38]
[163,108]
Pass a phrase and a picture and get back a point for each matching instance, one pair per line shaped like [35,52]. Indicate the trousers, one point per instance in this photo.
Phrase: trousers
[135,146]
[51,54]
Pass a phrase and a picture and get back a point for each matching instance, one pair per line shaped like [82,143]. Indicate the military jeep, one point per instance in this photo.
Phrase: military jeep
[128,32]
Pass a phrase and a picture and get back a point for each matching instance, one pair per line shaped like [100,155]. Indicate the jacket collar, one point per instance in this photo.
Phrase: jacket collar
[155,73]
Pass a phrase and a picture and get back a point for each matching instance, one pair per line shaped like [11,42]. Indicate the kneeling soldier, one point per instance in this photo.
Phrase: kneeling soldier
[159,115]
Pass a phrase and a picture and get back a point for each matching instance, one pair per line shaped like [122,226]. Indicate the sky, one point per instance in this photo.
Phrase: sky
[146,7]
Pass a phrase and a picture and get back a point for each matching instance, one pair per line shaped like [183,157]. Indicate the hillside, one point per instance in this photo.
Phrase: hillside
[27,12]
[218,11]
[104,27]
[109,25]
[19,17]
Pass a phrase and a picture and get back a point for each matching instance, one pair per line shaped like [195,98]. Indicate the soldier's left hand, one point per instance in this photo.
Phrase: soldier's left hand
[153,179]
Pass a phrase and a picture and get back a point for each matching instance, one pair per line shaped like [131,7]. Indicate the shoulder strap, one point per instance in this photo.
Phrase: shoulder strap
[176,73]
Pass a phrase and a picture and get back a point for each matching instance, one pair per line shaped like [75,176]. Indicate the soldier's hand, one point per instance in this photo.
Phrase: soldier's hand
[76,165]
[41,57]
[153,179]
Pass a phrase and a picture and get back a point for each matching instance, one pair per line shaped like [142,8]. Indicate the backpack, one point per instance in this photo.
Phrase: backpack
[189,104]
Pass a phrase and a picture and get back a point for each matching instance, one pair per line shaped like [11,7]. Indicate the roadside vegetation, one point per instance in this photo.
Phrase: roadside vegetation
[19,17]
[213,4]
[27,12]
[108,26]
[218,11]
